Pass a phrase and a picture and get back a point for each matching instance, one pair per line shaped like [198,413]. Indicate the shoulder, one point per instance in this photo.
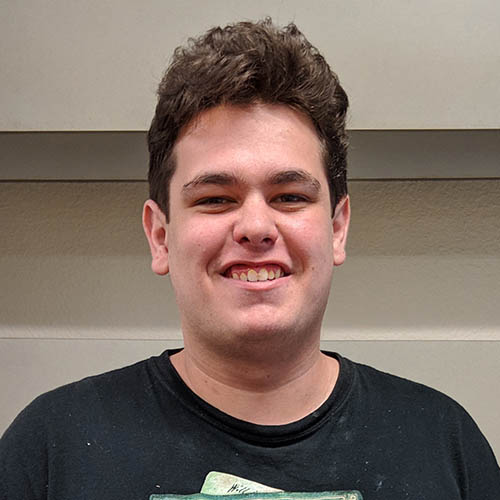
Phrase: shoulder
[65,420]
[410,405]
[63,425]
[53,410]
[396,389]
[414,423]
[392,400]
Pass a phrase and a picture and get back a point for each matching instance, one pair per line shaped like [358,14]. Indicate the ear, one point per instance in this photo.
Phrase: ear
[340,223]
[155,227]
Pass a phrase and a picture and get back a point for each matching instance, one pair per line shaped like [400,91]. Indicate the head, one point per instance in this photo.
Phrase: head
[248,63]
[248,182]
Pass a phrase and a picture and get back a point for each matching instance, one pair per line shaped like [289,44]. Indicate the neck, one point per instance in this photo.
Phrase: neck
[257,389]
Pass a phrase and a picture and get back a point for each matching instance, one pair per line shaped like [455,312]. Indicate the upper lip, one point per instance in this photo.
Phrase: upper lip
[253,265]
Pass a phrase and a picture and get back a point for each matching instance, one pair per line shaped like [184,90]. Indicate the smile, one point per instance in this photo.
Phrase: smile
[257,273]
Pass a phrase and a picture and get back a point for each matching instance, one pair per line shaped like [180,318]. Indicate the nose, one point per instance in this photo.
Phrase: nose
[255,225]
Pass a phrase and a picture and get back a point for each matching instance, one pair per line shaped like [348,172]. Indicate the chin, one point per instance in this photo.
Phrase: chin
[266,333]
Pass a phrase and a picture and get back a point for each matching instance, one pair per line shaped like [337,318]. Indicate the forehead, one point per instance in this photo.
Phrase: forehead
[248,140]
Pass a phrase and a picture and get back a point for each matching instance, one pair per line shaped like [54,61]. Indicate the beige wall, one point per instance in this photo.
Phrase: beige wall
[418,295]
[424,263]
[94,65]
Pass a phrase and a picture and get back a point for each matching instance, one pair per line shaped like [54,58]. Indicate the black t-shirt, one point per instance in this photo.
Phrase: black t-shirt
[140,430]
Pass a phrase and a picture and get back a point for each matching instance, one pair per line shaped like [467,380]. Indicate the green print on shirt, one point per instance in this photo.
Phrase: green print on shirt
[221,486]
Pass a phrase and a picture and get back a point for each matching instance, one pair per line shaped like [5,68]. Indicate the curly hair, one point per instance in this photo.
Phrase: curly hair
[247,63]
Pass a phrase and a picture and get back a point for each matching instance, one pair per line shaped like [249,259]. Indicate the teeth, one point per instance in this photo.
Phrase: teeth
[263,275]
[252,275]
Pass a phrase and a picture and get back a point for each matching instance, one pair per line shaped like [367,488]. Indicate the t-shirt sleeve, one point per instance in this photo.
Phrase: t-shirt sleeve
[481,474]
[23,456]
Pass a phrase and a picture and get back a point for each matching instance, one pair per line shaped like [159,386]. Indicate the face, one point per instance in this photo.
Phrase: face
[251,242]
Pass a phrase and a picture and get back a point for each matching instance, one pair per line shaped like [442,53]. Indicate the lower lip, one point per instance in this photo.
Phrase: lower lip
[259,285]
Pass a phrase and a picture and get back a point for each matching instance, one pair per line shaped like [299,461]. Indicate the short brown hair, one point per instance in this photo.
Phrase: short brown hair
[245,63]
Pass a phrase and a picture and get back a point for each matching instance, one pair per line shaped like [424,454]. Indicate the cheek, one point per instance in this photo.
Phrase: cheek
[313,236]
[195,242]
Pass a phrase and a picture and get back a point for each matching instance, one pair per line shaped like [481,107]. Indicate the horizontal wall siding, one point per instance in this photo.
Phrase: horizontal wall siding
[374,154]
[405,65]
[423,263]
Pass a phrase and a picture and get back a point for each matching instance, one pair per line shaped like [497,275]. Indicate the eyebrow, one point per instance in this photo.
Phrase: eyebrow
[220,179]
[298,176]
[274,178]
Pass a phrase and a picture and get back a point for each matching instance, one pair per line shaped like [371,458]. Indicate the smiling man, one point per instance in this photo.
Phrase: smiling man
[248,215]
[250,246]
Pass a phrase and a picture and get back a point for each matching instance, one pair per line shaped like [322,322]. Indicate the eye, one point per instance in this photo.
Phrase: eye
[213,200]
[214,204]
[291,198]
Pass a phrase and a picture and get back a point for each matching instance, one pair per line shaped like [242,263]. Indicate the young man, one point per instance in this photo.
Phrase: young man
[249,214]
